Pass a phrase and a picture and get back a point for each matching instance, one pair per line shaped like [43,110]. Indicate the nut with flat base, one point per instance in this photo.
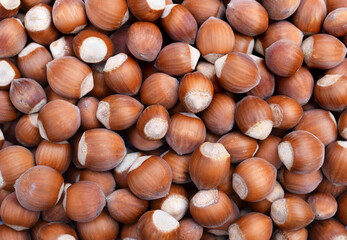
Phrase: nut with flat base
[9,72]
[62,47]
[209,165]
[27,131]
[9,8]
[300,234]
[186,132]
[254,117]
[203,10]
[147,10]
[150,177]
[254,179]
[327,229]
[195,92]
[57,230]
[157,224]
[323,205]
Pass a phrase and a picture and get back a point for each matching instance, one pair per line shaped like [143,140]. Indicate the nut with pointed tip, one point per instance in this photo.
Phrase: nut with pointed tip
[58,121]
[189,229]
[141,143]
[266,85]
[9,72]
[323,205]
[118,112]
[144,41]
[334,22]
[88,107]
[32,61]
[291,213]
[179,23]
[69,16]
[150,177]
[329,92]
[153,122]
[125,207]
[83,201]
[212,208]
[335,164]
[159,88]
[40,29]
[299,183]
[104,180]
[204,10]
[300,234]
[123,74]
[254,179]
[9,8]
[157,224]
[222,107]
[286,111]
[215,38]
[69,77]
[244,44]
[310,15]
[27,95]
[284,49]
[247,17]
[256,123]
[14,161]
[323,51]
[186,132]
[103,227]
[15,216]
[237,72]
[298,146]
[327,229]
[121,171]
[177,59]
[96,141]
[209,165]
[107,16]
[239,146]
[39,188]
[298,86]
[57,230]
[179,165]
[195,92]
[280,10]
[27,131]
[12,37]
[92,46]
[277,31]
[342,125]
[251,226]
[146,10]
[320,123]
[62,47]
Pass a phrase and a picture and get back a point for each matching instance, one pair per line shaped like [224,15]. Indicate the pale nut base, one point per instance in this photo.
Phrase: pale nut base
[164,222]
[197,101]
[87,85]
[156,4]
[279,211]
[156,128]
[235,232]
[37,19]
[66,237]
[205,198]
[260,130]
[239,186]
[59,48]
[194,57]
[286,154]
[10,4]
[214,150]
[93,50]
[6,73]
[103,114]
[176,206]
[127,162]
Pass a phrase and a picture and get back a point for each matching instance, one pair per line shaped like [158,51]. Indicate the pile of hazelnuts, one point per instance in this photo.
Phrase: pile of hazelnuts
[167,120]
